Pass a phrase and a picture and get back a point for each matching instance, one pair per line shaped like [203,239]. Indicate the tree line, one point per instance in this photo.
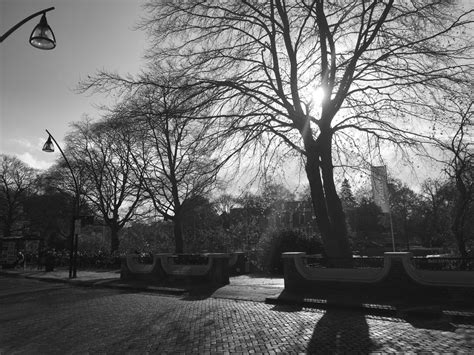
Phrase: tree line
[39,203]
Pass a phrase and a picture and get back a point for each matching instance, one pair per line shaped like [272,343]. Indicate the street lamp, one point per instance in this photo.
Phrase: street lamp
[49,147]
[42,36]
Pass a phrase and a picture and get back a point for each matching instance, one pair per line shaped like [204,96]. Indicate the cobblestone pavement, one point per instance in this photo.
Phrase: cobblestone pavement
[80,320]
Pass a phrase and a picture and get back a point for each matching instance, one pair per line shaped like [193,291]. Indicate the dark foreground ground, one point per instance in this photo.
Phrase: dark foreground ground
[38,317]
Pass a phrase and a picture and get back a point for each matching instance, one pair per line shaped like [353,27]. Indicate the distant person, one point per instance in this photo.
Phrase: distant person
[20,258]
[41,260]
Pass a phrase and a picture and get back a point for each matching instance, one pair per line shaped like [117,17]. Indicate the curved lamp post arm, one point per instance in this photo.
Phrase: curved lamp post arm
[14,28]
[68,165]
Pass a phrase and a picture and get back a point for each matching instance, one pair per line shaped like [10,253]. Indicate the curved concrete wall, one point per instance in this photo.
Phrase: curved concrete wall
[216,270]
[437,278]
[297,271]
[168,264]
[337,274]
[135,267]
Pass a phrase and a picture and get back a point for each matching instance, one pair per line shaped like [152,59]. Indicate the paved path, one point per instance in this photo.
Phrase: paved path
[68,319]
[18,286]
[243,287]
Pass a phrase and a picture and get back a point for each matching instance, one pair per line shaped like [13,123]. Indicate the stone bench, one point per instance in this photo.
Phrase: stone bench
[397,278]
[216,270]
[238,263]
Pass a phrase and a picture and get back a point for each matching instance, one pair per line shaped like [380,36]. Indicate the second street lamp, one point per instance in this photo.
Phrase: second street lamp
[49,147]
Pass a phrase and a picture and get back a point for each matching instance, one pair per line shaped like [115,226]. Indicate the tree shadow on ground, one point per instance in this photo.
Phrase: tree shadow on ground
[286,308]
[201,292]
[261,274]
[97,270]
[341,331]
[433,324]
[288,302]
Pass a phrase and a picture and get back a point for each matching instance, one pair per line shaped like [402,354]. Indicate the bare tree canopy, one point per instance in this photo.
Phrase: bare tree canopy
[179,153]
[17,181]
[102,151]
[375,64]
[459,147]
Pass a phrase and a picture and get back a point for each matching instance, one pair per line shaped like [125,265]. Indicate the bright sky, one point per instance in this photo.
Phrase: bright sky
[37,86]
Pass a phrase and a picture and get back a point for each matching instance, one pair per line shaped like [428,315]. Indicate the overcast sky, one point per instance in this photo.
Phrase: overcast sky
[37,86]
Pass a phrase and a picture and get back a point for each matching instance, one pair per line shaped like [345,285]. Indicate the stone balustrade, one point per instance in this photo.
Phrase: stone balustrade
[163,267]
[398,276]
[238,263]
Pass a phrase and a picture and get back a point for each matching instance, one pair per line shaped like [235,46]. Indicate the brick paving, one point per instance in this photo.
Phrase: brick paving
[89,320]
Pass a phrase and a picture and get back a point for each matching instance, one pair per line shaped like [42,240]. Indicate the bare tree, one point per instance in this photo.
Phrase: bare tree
[460,162]
[436,216]
[224,203]
[112,184]
[16,182]
[178,152]
[374,63]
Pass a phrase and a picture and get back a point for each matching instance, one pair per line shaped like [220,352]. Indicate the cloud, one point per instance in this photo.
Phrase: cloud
[34,162]
[22,142]
[29,151]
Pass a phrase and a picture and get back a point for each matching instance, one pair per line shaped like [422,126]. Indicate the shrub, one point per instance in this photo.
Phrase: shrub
[273,244]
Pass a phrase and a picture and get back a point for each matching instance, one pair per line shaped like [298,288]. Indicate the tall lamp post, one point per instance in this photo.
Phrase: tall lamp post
[49,147]
[42,36]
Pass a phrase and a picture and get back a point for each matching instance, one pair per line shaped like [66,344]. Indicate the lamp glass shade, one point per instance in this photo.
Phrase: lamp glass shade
[42,36]
[48,146]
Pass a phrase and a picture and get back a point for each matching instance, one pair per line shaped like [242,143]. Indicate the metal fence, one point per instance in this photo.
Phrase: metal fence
[422,263]
[356,262]
[444,263]
[84,260]
[190,259]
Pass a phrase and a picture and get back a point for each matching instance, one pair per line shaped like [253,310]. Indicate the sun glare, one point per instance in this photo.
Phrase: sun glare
[318,96]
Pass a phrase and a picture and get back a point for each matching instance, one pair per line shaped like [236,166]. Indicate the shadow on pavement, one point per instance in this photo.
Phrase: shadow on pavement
[259,275]
[433,324]
[201,292]
[102,271]
[342,328]
[286,308]
[287,302]
[345,313]
[341,332]
[188,290]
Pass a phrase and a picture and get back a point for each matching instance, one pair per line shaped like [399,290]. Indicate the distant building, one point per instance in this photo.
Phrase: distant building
[284,215]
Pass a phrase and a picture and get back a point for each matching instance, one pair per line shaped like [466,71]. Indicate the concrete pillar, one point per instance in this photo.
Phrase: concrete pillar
[219,272]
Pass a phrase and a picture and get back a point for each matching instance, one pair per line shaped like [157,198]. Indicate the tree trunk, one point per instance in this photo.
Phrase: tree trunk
[178,235]
[460,210]
[330,216]
[7,226]
[458,230]
[6,230]
[114,237]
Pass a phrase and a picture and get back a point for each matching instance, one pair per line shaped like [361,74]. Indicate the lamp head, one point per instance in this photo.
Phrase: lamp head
[42,36]
[48,146]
